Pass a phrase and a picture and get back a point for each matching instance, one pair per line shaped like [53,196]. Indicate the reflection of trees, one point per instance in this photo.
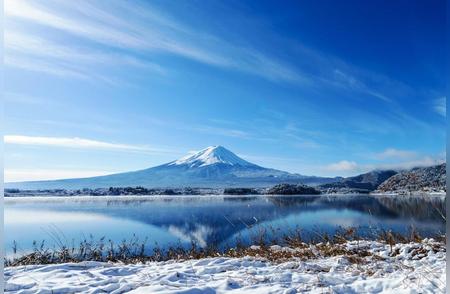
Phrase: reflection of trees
[240,199]
[421,208]
[290,201]
[362,203]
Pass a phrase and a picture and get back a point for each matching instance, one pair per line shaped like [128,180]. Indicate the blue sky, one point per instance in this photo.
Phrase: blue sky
[313,87]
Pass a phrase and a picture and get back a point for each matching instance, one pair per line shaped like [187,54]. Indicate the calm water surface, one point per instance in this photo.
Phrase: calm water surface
[170,220]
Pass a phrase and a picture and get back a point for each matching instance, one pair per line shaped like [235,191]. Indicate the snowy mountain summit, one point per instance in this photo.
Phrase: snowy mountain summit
[212,155]
[212,167]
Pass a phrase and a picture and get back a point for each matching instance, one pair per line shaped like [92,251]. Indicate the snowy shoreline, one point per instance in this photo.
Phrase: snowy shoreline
[412,193]
[205,196]
[402,268]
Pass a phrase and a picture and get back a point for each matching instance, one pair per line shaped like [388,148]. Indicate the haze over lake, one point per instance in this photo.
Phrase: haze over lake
[169,220]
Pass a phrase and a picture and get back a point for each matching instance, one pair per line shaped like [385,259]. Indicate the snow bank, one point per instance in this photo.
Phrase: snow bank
[414,268]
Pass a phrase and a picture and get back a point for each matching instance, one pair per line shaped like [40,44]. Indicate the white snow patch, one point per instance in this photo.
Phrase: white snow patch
[211,155]
[405,272]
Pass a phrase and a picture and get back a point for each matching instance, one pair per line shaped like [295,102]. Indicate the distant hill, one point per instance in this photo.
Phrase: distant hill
[289,189]
[363,183]
[211,167]
[422,179]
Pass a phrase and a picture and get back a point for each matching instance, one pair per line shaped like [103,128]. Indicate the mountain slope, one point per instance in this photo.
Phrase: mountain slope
[214,166]
[363,183]
[421,179]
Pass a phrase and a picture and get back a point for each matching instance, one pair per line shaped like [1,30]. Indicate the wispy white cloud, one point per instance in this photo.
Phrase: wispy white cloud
[349,81]
[261,131]
[218,128]
[348,168]
[39,14]
[43,67]
[13,97]
[58,69]
[219,131]
[392,153]
[420,162]
[18,175]
[342,166]
[440,106]
[104,27]
[79,143]
[150,30]
[18,44]
[299,137]
[169,36]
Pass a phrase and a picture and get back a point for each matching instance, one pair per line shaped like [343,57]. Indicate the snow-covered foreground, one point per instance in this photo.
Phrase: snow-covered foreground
[414,268]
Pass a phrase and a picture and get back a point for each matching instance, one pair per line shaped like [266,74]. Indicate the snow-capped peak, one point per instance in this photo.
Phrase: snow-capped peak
[211,155]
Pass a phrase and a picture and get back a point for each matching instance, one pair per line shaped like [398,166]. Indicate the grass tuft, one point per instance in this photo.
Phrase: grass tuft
[266,245]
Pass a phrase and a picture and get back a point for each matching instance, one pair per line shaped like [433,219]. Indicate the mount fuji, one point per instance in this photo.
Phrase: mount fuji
[212,167]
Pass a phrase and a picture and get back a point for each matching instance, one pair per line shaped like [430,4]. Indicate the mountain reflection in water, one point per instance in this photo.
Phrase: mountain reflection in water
[216,219]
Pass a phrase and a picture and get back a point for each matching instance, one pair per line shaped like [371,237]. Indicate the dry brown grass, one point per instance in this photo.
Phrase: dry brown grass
[292,245]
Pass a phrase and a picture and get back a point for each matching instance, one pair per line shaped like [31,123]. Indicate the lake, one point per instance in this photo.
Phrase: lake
[178,220]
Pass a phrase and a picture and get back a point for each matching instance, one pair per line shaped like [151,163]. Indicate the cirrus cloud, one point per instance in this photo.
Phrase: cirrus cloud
[391,153]
[80,143]
[440,106]
[19,175]
[342,166]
